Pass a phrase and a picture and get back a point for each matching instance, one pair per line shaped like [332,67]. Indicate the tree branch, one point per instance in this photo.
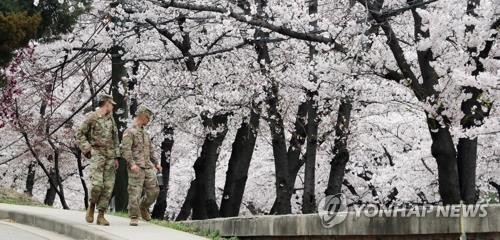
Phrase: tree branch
[166,33]
[395,12]
[214,52]
[80,108]
[211,46]
[395,47]
[40,163]
[251,20]
[14,157]
[426,166]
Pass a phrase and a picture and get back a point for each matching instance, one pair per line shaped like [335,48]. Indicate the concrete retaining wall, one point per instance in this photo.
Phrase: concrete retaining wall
[55,225]
[72,224]
[398,226]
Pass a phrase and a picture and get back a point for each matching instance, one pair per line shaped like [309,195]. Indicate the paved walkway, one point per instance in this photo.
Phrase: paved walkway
[72,224]
[17,231]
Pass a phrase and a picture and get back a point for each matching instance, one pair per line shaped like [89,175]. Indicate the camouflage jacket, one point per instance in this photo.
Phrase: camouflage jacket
[99,133]
[137,148]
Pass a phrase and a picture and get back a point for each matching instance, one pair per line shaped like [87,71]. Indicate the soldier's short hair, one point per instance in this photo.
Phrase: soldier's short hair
[103,98]
[144,110]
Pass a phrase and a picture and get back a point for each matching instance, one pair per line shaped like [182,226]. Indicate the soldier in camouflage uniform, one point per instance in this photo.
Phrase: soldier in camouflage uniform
[142,166]
[98,140]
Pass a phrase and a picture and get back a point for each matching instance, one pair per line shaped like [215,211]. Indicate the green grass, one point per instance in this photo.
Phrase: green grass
[10,196]
[214,235]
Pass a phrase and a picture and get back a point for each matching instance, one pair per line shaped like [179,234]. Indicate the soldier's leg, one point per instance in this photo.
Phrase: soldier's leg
[108,184]
[151,190]
[135,183]
[97,166]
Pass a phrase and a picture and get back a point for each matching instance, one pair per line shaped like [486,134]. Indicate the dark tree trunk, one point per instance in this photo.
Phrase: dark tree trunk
[443,150]
[204,202]
[55,180]
[297,140]
[50,195]
[30,178]
[131,87]
[283,185]
[456,168]
[239,162]
[308,198]
[341,154]
[275,120]
[466,158]
[118,72]
[467,149]
[78,155]
[53,184]
[474,115]
[59,180]
[453,165]
[84,185]
[185,211]
[166,148]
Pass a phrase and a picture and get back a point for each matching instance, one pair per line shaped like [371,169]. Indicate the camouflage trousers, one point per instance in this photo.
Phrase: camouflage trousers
[102,177]
[142,190]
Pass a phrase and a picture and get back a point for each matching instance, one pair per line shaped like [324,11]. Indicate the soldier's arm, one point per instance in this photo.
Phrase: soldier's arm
[82,134]
[116,140]
[127,141]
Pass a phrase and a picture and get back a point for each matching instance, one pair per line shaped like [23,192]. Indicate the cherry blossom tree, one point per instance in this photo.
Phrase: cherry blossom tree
[266,106]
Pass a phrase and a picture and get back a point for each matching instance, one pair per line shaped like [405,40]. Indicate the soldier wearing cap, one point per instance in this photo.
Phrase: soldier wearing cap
[98,140]
[137,150]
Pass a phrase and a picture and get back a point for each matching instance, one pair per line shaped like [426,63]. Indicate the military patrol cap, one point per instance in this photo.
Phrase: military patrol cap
[106,97]
[145,110]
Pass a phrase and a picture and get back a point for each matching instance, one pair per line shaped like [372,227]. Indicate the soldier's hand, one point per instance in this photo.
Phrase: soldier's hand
[134,168]
[158,166]
[117,163]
